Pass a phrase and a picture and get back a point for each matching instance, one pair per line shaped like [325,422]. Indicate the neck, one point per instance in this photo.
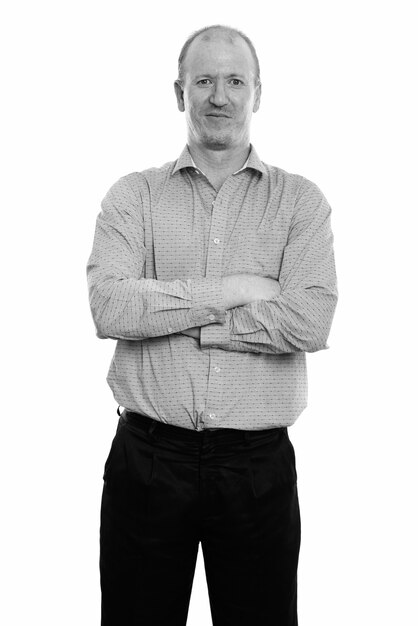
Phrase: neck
[219,163]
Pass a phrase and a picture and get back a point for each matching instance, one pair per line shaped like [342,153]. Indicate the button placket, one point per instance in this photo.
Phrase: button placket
[214,261]
[218,227]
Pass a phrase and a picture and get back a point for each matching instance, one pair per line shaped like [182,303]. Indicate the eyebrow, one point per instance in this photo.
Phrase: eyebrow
[231,75]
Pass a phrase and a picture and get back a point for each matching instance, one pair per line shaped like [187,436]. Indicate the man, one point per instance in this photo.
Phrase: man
[216,275]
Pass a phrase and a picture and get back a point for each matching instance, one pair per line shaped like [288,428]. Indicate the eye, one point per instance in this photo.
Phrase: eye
[236,82]
[203,82]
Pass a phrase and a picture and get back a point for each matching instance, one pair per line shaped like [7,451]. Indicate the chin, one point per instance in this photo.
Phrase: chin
[216,142]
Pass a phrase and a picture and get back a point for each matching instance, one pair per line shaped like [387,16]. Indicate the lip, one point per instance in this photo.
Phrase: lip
[216,115]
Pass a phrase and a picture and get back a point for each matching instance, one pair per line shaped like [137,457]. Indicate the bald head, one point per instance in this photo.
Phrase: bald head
[210,33]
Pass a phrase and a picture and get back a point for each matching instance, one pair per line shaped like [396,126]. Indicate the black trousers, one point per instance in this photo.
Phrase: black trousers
[165,490]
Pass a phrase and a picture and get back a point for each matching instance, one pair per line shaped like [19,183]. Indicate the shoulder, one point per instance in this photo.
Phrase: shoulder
[303,197]
[295,184]
[301,193]
[151,175]
[141,183]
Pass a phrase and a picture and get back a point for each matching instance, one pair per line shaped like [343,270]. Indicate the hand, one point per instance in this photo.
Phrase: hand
[241,289]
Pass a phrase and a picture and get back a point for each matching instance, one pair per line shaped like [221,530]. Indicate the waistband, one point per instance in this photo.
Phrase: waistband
[151,426]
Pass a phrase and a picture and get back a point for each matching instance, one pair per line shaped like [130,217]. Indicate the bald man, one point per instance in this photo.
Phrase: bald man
[215,274]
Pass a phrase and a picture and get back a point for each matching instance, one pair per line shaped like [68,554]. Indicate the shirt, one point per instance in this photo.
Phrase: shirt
[164,239]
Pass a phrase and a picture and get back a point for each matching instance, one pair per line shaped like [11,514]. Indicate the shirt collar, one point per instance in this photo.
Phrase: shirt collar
[253,161]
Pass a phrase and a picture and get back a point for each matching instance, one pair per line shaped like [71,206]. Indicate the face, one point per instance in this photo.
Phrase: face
[218,93]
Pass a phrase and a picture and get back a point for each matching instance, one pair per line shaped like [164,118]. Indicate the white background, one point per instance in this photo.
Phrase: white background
[88,97]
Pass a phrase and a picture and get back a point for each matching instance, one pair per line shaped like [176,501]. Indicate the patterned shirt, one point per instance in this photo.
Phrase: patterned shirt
[164,239]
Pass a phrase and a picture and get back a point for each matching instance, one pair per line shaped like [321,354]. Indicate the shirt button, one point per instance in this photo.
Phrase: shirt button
[216,240]
[211,317]
[213,202]
[169,329]
[212,416]
[217,369]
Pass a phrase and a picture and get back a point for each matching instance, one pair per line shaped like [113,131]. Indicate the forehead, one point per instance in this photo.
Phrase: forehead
[219,53]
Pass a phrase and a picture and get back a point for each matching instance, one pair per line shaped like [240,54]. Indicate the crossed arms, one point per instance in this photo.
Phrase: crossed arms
[241,289]
[240,312]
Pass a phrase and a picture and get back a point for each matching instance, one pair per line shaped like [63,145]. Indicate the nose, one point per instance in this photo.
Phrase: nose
[219,96]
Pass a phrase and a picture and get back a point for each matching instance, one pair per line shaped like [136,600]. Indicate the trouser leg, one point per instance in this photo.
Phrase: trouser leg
[148,541]
[251,535]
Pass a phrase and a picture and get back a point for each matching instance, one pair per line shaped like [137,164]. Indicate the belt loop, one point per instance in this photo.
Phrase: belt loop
[151,429]
[247,437]
[117,411]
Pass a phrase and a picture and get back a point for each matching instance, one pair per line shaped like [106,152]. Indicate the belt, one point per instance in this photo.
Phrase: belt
[151,426]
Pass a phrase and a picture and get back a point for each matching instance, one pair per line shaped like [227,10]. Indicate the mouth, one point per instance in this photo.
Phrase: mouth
[217,115]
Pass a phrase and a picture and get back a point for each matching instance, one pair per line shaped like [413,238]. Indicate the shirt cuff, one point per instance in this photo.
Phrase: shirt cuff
[207,301]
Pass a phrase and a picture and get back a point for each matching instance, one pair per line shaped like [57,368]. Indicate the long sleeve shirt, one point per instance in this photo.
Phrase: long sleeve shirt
[164,239]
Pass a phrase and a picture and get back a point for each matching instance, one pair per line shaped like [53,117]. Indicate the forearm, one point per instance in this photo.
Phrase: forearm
[290,323]
[128,308]
[239,290]
[132,308]
[142,308]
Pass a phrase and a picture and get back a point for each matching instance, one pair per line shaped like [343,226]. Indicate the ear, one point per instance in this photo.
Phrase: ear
[178,88]
[257,98]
